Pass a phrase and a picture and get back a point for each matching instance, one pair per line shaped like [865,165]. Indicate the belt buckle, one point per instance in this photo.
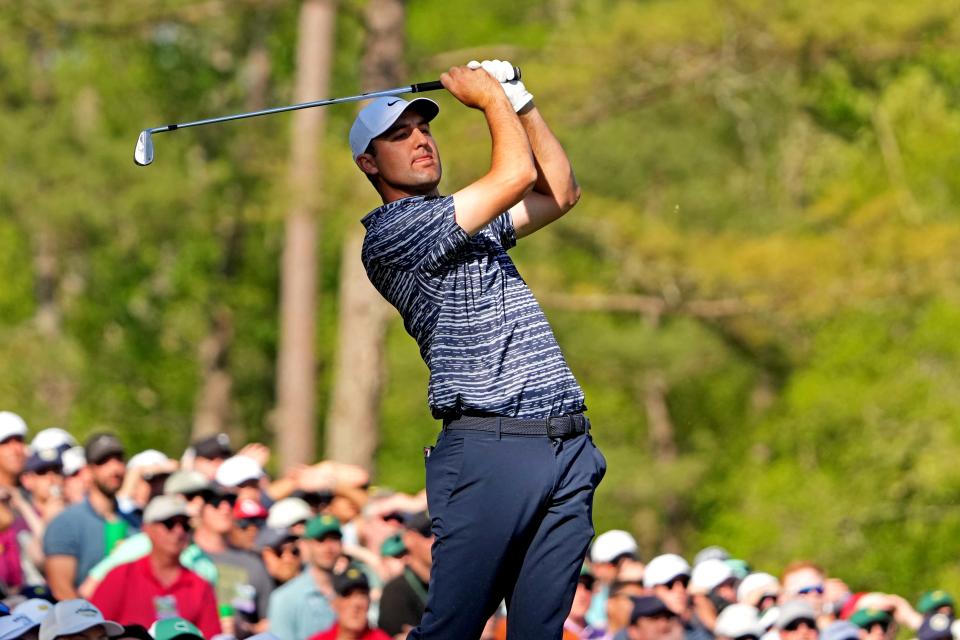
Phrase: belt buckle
[558,427]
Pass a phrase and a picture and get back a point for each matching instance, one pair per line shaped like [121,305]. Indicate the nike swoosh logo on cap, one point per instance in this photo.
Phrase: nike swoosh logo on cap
[390,104]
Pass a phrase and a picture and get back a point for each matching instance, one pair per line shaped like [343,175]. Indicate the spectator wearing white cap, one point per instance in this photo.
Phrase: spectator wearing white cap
[712,587]
[76,478]
[668,576]
[146,474]
[797,620]
[607,553]
[158,586]
[241,474]
[738,622]
[77,619]
[35,610]
[760,590]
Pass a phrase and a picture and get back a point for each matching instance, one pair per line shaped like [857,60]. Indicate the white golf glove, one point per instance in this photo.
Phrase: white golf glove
[502,70]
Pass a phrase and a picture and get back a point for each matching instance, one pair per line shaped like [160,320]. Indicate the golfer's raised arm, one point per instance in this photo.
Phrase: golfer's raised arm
[512,170]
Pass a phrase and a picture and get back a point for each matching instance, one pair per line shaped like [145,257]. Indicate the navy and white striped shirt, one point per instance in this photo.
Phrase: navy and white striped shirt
[481,332]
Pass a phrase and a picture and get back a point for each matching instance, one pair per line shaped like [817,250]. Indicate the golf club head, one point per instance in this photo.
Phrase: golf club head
[143,155]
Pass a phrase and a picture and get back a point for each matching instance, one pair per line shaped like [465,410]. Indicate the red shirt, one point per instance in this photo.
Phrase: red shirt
[131,594]
[331,634]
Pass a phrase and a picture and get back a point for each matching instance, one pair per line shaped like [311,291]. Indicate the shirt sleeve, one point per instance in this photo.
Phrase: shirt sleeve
[62,537]
[504,231]
[421,233]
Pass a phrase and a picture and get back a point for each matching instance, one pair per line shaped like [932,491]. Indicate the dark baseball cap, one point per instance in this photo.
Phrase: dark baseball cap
[213,447]
[44,460]
[349,581]
[648,607]
[101,446]
[272,538]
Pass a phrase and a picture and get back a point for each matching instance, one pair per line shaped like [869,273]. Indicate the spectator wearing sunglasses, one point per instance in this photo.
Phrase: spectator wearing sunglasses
[797,620]
[83,534]
[280,553]
[668,576]
[249,516]
[158,586]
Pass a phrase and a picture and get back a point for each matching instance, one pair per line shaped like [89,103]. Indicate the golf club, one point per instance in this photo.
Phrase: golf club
[143,155]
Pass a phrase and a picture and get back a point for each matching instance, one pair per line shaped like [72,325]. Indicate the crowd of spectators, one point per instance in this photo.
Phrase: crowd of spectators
[97,544]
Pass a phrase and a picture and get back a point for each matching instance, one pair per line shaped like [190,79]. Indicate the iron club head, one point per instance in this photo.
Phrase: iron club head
[143,155]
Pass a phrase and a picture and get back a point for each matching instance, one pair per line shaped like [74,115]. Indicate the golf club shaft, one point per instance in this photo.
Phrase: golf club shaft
[420,87]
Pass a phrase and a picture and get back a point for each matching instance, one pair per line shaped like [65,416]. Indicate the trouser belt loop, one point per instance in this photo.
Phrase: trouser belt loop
[499,427]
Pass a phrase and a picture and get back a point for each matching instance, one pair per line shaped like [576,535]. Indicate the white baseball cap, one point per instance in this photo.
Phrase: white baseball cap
[756,584]
[11,425]
[737,620]
[52,438]
[612,544]
[380,114]
[35,608]
[665,568]
[73,460]
[148,458]
[710,574]
[236,470]
[75,616]
[164,507]
[15,625]
[288,512]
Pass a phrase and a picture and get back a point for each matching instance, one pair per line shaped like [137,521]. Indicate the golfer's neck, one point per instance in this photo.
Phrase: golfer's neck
[391,194]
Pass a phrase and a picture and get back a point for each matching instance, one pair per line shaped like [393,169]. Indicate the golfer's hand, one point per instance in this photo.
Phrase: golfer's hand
[502,71]
[473,87]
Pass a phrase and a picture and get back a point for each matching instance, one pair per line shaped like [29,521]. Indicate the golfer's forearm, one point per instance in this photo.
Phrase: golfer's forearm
[511,160]
[554,173]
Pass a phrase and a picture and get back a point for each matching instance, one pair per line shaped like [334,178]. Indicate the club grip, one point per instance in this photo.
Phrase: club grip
[436,85]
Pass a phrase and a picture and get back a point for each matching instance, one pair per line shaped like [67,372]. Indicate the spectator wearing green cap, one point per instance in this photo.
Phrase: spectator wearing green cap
[175,629]
[937,601]
[405,597]
[302,607]
[874,624]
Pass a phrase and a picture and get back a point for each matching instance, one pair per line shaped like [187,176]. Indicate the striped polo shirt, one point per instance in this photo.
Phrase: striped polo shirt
[481,332]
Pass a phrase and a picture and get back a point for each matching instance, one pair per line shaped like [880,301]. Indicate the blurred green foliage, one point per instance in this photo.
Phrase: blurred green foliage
[781,178]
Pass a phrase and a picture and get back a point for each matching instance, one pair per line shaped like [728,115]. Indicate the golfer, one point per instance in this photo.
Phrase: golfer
[511,479]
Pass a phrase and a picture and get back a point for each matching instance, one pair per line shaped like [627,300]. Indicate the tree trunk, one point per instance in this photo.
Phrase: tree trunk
[296,375]
[353,420]
[664,446]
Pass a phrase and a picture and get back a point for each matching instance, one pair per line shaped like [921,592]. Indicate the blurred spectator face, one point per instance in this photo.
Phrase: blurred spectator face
[43,484]
[377,527]
[244,532]
[13,455]
[879,631]
[419,548]
[75,486]
[659,627]
[343,509]
[800,630]
[351,611]
[674,594]
[249,490]
[283,563]
[727,590]
[620,603]
[169,537]
[582,598]
[805,583]
[325,551]
[107,474]
[217,514]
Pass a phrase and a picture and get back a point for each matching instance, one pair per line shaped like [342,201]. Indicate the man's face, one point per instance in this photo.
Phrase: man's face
[325,552]
[351,610]
[674,594]
[805,584]
[620,605]
[419,547]
[283,563]
[878,631]
[108,474]
[244,532]
[43,484]
[659,627]
[13,455]
[94,633]
[800,630]
[207,466]
[406,157]
[171,536]
[581,601]
[217,514]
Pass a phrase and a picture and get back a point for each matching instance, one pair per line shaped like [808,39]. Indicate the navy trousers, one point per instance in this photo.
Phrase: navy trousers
[512,517]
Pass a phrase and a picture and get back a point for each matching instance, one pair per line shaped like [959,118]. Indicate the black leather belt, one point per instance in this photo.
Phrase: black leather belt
[559,427]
